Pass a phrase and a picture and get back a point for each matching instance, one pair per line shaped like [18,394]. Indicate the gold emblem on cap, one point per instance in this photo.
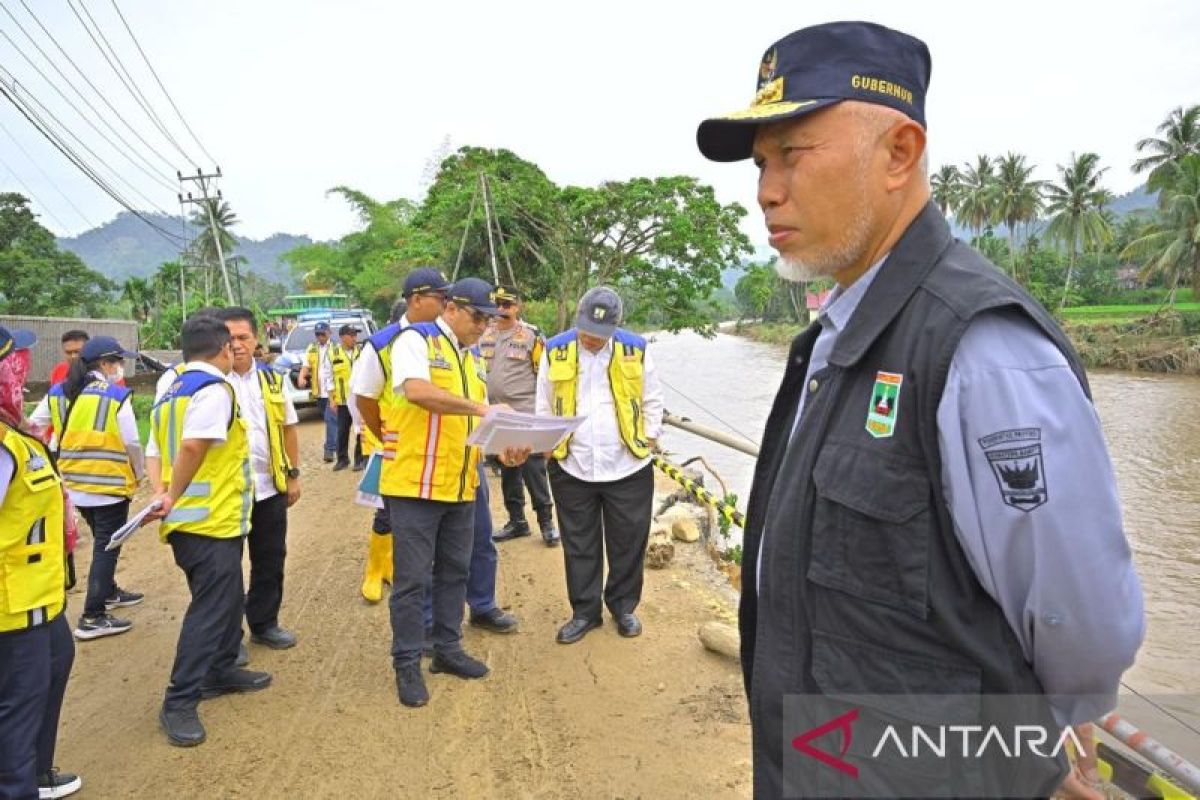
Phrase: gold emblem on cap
[768,110]
[766,70]
[598,314]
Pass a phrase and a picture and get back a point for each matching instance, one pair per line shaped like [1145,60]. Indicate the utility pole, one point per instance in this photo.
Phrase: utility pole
[204,182]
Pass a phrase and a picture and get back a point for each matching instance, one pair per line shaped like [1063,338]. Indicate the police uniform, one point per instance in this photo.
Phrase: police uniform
[513,357]
[601,476]
[933,499]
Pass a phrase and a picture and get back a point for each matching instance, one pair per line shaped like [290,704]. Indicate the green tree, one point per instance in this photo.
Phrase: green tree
[205,246]
[945,186]
[1075,206]
[37,278]
[1018,199]
[755,289]
[1170,244]
[138,294]
[1180,138]
[977,195]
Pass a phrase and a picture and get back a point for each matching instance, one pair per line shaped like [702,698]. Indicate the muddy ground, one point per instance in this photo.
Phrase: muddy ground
[653,717]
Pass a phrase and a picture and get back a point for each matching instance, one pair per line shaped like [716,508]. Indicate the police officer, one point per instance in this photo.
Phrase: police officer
[601,476]
[351,349]
[513,351]
[36,651]
[199,459]
[934,500]
[274,442]
[100,457]
[323,362]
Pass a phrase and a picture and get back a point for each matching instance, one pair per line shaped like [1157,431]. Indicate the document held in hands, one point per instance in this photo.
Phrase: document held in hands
[501,430]
[129,528]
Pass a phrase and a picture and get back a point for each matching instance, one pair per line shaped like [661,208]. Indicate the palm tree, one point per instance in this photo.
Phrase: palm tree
[1181,138]
[138,293]
[1171,243]
[1018,199]
[222,219]
[945,185]
[1076,208]
[976,202]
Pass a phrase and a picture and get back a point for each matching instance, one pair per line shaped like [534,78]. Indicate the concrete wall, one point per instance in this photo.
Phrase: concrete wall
[48,350]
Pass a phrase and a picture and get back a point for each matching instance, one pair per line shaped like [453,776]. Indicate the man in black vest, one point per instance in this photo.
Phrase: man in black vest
[934,498]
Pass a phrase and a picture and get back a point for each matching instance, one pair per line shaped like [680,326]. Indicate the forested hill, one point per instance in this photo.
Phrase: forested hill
[126,247]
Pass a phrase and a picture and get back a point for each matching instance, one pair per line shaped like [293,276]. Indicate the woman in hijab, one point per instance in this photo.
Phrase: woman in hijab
[36,649]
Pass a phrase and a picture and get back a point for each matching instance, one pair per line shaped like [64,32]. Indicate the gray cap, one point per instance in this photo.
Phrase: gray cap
[600,311]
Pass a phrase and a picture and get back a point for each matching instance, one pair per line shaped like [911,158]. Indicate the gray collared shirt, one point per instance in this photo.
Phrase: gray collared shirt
[1008,387]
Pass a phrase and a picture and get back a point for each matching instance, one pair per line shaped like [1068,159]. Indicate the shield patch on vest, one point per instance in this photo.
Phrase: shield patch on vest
[885,404]
[1015,457]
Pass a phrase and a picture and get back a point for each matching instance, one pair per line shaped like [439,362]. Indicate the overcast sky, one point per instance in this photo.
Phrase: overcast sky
[295,97]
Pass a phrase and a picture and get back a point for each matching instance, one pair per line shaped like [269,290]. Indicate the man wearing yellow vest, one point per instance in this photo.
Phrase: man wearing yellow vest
[324,360]
[430,485]
[274,458]
[601,477]
[100,457]
[199,458]
[36,651]
[351,350]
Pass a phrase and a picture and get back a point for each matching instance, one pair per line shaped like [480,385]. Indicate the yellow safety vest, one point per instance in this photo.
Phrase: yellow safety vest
[433,460]
[626,374]
[91,453]
[33,571]
[341,370]
[276,406]
[341,373]
[218,501]
[381,343]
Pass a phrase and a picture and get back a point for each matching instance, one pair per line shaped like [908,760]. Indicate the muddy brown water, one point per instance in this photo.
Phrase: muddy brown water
[1153,431]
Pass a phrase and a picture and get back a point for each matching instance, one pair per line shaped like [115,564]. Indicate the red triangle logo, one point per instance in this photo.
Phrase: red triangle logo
[843,723]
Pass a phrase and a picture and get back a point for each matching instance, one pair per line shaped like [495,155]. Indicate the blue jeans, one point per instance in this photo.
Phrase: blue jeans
[481,575]
[331,424]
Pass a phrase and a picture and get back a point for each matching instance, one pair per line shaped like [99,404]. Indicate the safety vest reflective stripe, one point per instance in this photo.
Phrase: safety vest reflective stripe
[96,455]
[103,480]
[92,453]
[37,534]
[432,434]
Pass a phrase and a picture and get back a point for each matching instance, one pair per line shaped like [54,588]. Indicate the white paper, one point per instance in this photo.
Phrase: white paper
[501,430]
[129,528]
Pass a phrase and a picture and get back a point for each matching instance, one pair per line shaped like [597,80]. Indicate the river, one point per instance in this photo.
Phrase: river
[1153,431]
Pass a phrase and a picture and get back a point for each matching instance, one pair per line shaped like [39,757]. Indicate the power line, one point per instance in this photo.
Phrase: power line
[166,94]
[29,191]
[124,76]
[49,180]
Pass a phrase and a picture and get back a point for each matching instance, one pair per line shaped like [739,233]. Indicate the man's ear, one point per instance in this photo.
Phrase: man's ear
[906,147]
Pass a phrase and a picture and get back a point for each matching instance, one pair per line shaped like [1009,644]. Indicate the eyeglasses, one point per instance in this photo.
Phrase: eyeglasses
[478,317]
[439,296]
[505,303]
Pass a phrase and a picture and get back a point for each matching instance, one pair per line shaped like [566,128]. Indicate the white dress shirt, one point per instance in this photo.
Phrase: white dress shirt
[324,369]
[366,376]
[248,388]
[207,415]
[597,452]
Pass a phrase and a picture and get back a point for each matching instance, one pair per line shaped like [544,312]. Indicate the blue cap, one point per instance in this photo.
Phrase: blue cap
[816,67]
[15,339]
[425,279]
[600,311]
[321,327]
[476,293]
[104,347]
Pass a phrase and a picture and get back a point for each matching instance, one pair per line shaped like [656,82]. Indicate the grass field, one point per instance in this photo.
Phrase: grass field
[1099,314]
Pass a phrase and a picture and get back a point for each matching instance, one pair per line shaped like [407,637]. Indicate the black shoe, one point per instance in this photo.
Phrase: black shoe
[458,663]
[104,625]
[243,656]
[341,464]
[235,681]
[275,638]
[121,598]
[550,535]
[575,630]
[410,685]
[629,625]
[360,465]
[328,458]
[497,621]
[55,784]
[182,726]
[513,530]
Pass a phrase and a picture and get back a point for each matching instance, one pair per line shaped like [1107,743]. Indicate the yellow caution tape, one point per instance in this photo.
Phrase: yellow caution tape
[728,511]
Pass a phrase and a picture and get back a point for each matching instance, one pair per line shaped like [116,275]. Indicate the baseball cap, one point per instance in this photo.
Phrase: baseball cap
[816,67]
[321,327]
[347,329]
[15,339]
[507,292]
[476,293]
[425,279]
[600,311]
[104,347]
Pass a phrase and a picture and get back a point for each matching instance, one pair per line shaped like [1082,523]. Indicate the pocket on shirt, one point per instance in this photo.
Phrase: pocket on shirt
[871,527]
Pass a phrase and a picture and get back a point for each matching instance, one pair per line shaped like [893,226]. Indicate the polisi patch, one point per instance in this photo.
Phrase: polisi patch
[885,404]
[1015,457]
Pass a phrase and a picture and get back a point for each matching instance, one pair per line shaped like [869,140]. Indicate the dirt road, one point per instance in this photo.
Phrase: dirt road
[653,717]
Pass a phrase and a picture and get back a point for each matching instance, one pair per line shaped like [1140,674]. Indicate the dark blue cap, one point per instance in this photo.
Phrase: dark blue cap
[321,327]
[15,339]
[476,293]
[425,279]
[104,347]
[816,67]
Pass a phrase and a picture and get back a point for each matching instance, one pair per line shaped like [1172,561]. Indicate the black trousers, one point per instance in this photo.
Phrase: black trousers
[345,423]
[34,666]
[212,625]
[599,518]
[530,475]
[267,543]
[104,522]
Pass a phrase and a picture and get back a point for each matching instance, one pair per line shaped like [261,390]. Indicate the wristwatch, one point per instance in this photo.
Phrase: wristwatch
[293,472]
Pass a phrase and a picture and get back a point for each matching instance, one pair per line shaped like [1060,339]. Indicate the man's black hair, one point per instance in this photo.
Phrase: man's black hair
[75,335]
[202,337]
[238,314]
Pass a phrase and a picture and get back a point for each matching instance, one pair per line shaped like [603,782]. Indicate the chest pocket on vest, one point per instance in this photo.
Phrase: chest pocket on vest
[871,527]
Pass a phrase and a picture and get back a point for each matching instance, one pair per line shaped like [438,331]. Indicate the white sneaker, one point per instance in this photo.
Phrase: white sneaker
[103,625]
[54,784]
